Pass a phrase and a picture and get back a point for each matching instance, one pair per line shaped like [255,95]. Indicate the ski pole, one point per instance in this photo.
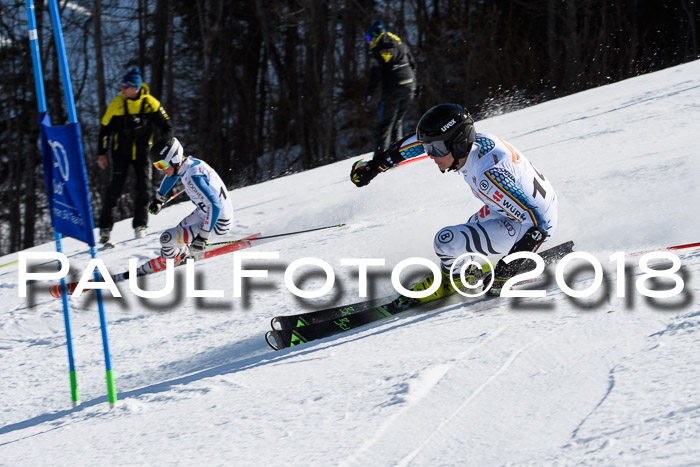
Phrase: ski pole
[9,264]
[676,247]
[81,252]
[47,262]
[173,197]
[234,241]
[279,235]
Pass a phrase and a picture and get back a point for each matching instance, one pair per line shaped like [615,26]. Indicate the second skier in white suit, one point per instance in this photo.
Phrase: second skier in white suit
[213,213]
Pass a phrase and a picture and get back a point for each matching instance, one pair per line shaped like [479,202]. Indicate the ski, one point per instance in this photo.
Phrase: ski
[289,331]
[222,249]
[279,323]
[304,319]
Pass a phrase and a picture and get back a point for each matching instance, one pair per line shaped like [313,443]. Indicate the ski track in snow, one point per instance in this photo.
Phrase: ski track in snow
[416,391]
[553,381]
[442,427]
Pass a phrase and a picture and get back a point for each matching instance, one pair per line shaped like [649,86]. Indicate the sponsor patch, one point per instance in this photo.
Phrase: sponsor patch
[509,227]
[485,211]
[448,125]
[445,236]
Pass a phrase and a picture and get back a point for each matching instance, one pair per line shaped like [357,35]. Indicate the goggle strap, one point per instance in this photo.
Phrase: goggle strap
[173,150]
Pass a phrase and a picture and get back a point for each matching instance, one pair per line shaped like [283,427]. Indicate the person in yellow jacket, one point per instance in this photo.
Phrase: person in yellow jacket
[392,65]
[127,128]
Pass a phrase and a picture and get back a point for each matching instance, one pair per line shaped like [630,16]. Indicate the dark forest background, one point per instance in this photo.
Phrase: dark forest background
[261,88]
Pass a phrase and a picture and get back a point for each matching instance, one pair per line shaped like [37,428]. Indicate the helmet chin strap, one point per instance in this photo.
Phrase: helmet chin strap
[455,165]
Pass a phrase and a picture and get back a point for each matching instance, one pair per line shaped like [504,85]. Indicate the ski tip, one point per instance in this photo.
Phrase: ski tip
[275,324]
[55,291]
[272,339]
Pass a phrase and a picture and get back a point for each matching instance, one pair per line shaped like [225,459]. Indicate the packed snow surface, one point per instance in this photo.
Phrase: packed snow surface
[600,380]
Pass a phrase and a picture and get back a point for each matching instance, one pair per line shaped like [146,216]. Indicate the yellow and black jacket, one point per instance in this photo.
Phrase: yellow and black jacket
[391,63]
[131,123]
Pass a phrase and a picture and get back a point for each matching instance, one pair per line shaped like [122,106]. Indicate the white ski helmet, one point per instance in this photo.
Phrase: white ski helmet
[168,150]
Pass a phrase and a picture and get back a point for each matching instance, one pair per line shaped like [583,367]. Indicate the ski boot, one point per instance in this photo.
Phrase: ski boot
[104,235]
[472,276]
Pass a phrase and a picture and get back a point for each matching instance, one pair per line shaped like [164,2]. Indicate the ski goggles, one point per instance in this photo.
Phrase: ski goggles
[161,165]
[436,148]
[368,38]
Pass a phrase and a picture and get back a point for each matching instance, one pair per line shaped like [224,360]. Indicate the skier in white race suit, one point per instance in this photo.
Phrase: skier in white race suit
[520,204]
[213,213]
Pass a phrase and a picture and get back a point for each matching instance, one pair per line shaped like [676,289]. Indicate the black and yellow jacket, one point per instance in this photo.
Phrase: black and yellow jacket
[391,63]
[131,123]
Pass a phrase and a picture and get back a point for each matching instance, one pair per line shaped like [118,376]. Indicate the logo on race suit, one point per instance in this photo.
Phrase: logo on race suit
[445,236]
[60,159]
[166,237]
[536,235]
[514,210]
[484,185]
[485,211]
[509,227]
[448,125]
[513,152]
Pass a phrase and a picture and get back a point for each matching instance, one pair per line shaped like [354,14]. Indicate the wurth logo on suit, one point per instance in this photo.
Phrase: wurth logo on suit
[508,206]
[513,209]
[507,183]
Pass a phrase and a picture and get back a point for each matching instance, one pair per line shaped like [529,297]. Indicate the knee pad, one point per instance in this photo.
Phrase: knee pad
[445,246]
[170,243]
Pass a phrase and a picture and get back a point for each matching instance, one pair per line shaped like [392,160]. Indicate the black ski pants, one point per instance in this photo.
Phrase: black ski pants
[392,109]
[142,189]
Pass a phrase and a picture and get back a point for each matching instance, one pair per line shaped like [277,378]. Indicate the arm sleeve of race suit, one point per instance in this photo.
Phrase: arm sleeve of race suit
[166,185]
[510,197]
[208,196]
[404,149]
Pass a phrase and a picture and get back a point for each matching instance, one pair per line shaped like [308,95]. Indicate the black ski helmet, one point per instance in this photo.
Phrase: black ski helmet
[451,124]
[169,150]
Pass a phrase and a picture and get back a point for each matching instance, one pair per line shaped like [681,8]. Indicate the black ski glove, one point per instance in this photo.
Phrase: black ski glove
[200,241]
[364,172]
[156,204]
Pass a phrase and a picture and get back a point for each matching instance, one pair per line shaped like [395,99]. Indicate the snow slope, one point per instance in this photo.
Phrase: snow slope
[557,381]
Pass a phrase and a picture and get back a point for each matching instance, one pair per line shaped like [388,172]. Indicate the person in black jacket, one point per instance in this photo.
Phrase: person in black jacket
[130,122]
[392,64]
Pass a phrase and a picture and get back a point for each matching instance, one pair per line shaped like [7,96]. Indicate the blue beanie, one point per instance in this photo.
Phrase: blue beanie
[133,78]
[376,29]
